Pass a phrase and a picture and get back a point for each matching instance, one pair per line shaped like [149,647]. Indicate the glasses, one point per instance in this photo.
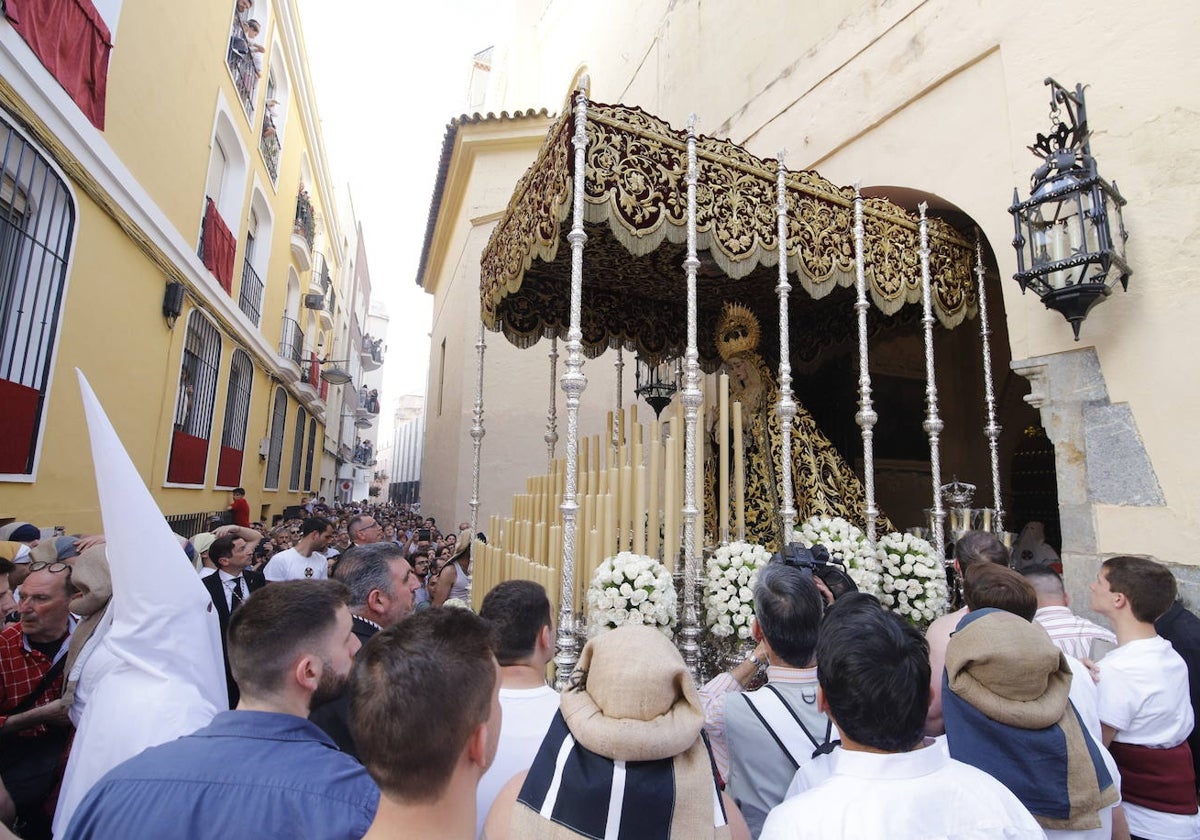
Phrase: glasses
[53,567]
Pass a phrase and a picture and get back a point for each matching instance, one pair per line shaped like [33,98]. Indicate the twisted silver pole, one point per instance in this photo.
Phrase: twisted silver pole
[866,416]
[616,418]
[992,429]
[477,430]
[933,424]
[692,398]
[573,384]
[551,436]
[786,408]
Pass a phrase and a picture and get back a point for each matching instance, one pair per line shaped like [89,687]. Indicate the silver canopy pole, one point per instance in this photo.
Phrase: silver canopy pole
[692,398]
[573,384]
[866,416]
[992,429]
[933,424]
[786,408]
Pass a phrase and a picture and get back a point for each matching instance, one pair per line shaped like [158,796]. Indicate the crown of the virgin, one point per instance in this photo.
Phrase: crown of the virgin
[737,331]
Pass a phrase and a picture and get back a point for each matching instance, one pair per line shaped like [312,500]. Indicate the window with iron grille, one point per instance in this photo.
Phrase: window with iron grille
[275,450]
[194,401]
[297,451]
[37,224]
[312,449]
[237,412]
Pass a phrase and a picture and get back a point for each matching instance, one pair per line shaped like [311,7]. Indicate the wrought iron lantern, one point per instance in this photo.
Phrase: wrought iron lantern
[1069,234]
[657,382]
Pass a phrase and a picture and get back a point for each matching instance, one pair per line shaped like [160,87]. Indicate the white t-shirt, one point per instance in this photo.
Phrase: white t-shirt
[292,565]
[920,794]
[527,716]
[1144,696]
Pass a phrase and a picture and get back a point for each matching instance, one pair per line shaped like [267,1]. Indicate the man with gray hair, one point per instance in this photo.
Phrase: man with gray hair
[381,584]
[761,738]
[364,529]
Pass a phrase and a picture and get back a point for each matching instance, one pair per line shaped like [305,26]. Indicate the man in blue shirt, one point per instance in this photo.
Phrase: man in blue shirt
[262,770]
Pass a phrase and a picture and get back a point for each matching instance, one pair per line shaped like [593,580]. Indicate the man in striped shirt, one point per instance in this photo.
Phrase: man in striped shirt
[1073,634]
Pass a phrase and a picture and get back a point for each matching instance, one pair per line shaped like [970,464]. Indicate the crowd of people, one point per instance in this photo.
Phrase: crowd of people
[346,689]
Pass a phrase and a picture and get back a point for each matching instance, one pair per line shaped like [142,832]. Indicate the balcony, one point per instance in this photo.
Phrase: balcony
[310,379]
[323,285]
[371,354]
[243,67]
[250,295]
[304,231]
[268,145]
[291,349]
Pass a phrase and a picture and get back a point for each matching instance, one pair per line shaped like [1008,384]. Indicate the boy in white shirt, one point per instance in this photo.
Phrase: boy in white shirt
[1144,701]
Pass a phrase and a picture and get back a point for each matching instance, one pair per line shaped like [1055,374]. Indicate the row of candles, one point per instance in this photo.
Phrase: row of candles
[630,496]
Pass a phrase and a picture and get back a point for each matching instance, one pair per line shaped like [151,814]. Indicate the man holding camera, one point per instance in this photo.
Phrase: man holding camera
[760,738]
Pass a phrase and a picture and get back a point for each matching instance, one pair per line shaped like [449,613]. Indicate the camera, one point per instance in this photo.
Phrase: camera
[816,561]
[424,534]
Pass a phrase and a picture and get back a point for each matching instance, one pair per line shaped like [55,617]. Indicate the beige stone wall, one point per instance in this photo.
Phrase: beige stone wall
[489,160]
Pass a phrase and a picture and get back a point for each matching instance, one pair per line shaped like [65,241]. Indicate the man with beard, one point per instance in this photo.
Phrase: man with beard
[262,769]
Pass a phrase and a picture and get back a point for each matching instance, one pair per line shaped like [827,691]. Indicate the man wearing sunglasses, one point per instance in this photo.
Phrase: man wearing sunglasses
[33,728]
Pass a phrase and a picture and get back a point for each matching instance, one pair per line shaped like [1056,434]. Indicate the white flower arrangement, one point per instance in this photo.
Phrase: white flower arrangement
[846,543]
[729,578]
[631,589]
[913,583]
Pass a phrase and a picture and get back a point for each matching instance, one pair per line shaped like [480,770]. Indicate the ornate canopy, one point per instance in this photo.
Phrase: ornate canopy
[636,216]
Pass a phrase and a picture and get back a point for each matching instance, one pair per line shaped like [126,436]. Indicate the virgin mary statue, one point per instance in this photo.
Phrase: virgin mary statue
[822,482]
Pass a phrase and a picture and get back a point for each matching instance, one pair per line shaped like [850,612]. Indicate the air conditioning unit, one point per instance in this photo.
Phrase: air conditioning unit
[314,301]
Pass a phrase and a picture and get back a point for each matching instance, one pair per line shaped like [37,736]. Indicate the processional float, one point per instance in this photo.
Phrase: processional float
[645,200]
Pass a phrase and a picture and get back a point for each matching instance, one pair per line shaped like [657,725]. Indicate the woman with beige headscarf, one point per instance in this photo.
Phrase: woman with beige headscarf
[625,757]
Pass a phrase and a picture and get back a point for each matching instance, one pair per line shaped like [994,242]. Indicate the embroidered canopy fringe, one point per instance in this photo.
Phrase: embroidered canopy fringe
[636,219]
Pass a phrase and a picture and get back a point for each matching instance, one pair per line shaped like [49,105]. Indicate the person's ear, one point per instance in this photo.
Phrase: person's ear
[477,747]
[755,630]
[822,706]
[307,672]
[377,601]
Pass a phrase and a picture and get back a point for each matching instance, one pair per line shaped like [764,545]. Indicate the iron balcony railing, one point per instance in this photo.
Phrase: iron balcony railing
[291,341]
[250,296]
[245,75]
[306,220]
[268,144]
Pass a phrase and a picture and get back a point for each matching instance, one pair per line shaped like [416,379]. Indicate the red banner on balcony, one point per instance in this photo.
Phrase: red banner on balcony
[189,455]
[18,425]
[324,391]
[229,468]
[219,246]
[314,371]
[71,40]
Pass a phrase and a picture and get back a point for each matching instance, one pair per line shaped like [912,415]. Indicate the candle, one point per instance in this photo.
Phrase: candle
[698,539]
[653,546]
[739,473]
[625,525]
[670,507]
[723,466]
[639,509]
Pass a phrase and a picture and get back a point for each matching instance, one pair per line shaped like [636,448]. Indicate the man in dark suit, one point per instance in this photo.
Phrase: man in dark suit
[1181,628]
[382,584]
[230,586]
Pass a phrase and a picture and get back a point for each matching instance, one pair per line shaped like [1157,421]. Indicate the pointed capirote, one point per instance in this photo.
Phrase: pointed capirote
[157,673]
[162,615]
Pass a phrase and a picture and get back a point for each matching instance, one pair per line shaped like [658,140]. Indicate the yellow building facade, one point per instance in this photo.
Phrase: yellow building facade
[171,229]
